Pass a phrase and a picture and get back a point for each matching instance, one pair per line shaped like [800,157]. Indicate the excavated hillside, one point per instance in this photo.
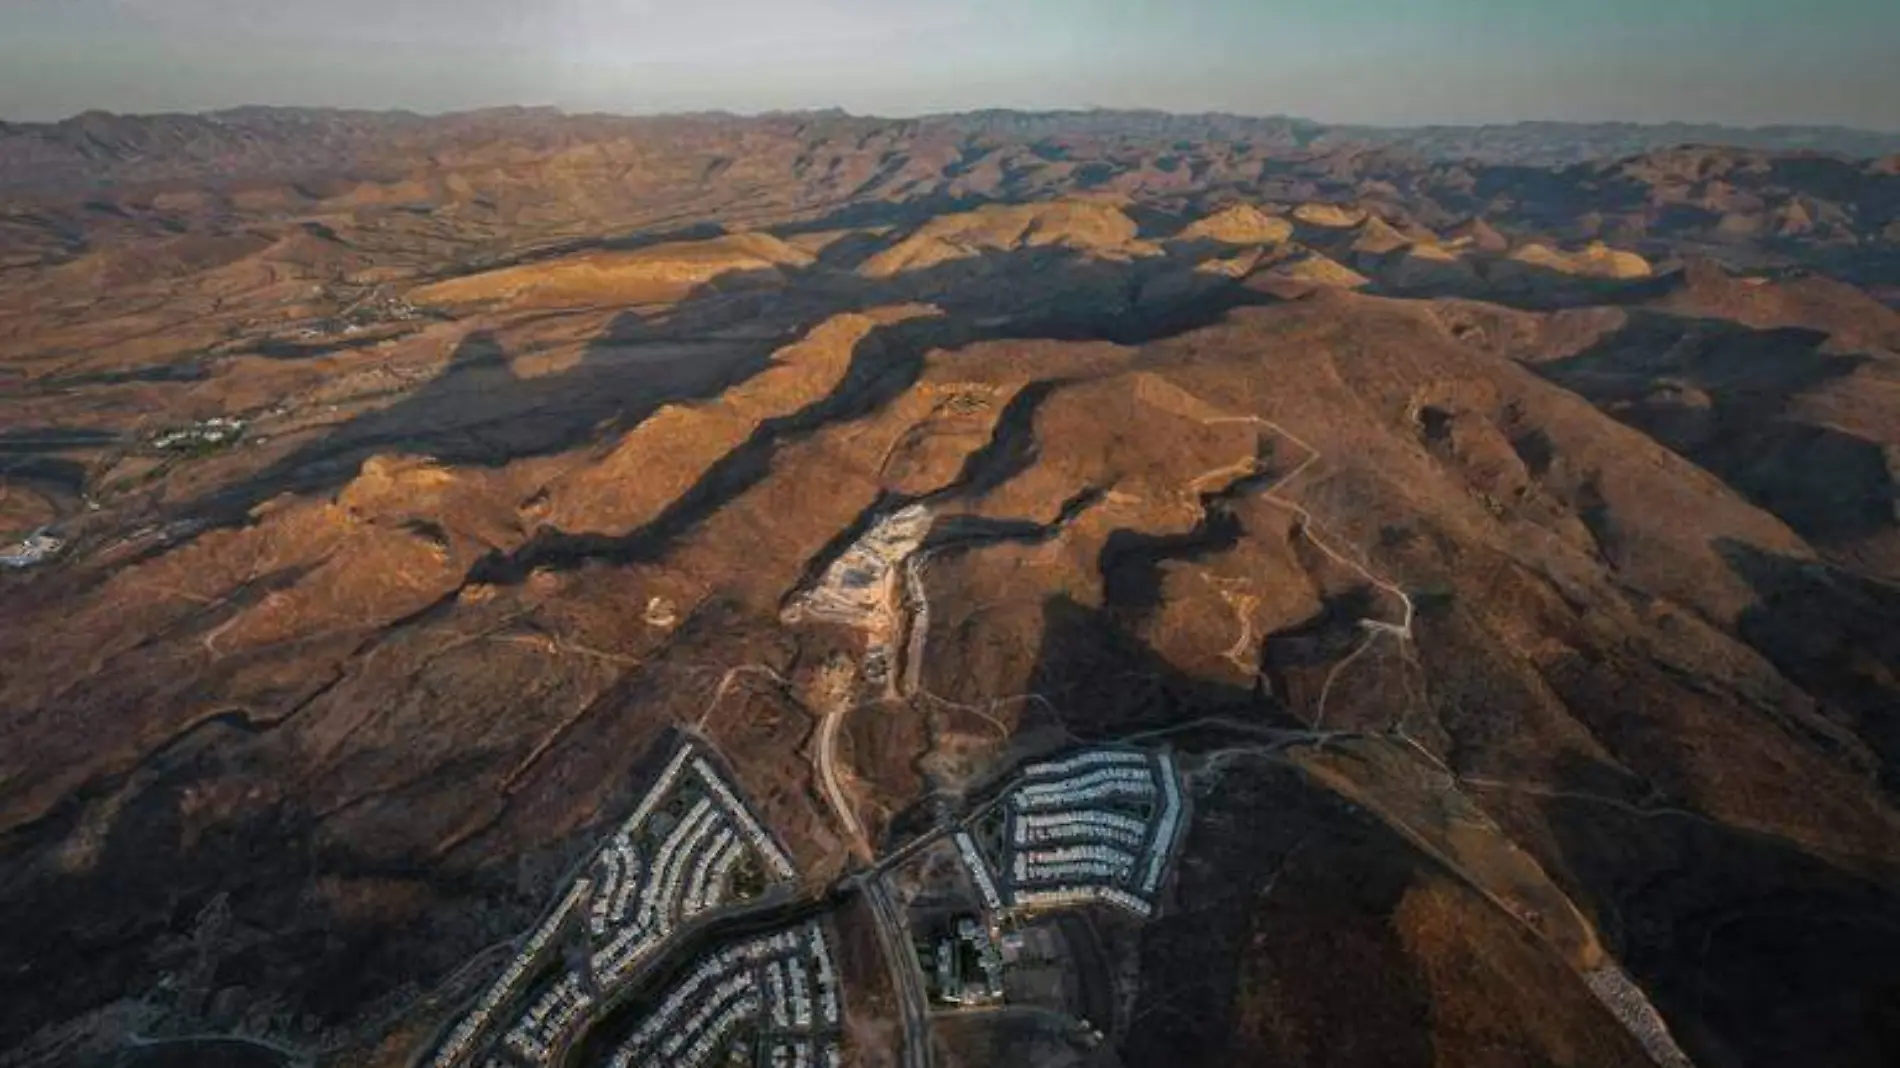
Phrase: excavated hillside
[1521,604]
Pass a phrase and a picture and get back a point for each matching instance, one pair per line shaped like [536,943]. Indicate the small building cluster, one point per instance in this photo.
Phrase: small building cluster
[979,871]
[382,306]
[1073,863]
[1099,826]
[548,1019]
[462,1039]
[205,434]
[379,306]
[34,549]
[690,848]
[689,869]
[1117,783]
[968,966]
[777,998]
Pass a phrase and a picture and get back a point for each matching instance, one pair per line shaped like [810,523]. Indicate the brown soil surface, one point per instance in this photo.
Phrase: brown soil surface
[1509,554]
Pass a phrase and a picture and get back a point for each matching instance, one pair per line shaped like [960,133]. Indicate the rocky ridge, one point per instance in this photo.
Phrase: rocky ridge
[1515,586]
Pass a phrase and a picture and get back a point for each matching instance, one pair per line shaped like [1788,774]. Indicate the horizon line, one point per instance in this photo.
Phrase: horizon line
[568,111]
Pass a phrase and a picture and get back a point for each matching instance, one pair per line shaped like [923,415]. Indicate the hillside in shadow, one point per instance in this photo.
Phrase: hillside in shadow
[477,411]
[1728,397]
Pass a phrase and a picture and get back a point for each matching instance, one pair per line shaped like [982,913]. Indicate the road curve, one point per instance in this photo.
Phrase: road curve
[828,779]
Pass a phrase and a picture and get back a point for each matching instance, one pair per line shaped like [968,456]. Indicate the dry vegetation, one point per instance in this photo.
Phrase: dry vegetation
[1518,579]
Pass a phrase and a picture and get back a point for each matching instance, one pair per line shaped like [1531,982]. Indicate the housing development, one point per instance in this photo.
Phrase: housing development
[679,942]
[1098,826]
[689,850]
[1001,917]
[780,993]
[1153,590]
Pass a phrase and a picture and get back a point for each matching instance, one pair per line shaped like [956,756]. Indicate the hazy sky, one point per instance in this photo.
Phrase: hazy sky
[1385,61]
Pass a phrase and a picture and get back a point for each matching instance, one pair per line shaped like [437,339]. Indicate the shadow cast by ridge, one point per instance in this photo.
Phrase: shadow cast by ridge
[1722,395]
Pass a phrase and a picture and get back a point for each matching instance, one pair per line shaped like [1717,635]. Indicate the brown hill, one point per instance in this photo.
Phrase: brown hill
[1091,226]
[662,273]
[1522,624]
[1329,216]
[1316,269]
[1240,224]
[1432,267]
[1376,237]
[1478,234]
[1596,260]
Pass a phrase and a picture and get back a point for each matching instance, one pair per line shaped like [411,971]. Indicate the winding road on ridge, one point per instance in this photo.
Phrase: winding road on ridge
[906,607]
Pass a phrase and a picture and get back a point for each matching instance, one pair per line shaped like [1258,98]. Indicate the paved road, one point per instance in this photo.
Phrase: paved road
[894,936]
[892,933]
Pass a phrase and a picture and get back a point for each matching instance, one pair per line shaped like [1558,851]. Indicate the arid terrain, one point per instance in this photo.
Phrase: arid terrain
[1500,538]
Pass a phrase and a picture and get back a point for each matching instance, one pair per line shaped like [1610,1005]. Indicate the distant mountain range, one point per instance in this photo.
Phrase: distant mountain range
[1430,611]
[100,148]
[1537,143]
